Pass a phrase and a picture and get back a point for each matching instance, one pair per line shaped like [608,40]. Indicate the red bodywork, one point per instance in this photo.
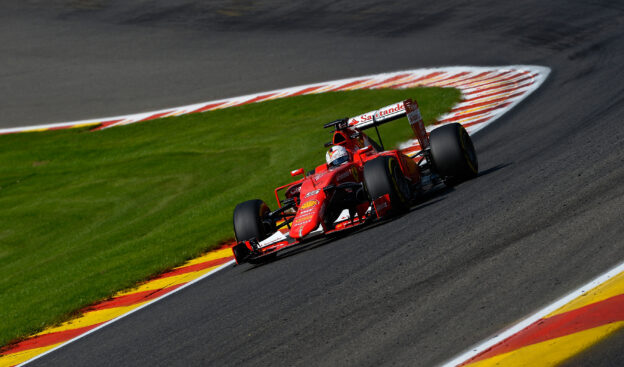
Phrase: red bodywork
[309,216]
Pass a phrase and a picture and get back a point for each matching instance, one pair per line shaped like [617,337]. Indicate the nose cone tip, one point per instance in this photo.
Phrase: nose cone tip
[303,227]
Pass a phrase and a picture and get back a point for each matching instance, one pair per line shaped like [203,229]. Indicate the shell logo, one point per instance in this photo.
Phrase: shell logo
[309,204]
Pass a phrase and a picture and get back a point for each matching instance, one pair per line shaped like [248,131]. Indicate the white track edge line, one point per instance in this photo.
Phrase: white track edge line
[541,70]
[495,339]
[221,267]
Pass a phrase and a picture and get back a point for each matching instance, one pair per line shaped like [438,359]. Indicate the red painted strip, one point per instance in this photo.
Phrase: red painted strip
[126,300]
[307,90]
[397,77]
[584,318]
[484,103]
[471,123]
[156,115]
[508,78]
[348,85]
[131,299]
[484,81]
[459,117]
[497,93]
[501,83]
[48,339]
[106,124]
[509,84]
[64,127]
[256,99]
[208,107]
[434,83]
[467,80]
[497,83]
[432,75]
[195,267]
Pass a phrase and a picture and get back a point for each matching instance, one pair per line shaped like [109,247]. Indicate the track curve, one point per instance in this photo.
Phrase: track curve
[543,217]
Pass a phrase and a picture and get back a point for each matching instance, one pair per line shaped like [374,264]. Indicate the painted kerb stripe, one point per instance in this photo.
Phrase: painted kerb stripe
[488,93]
[558,331]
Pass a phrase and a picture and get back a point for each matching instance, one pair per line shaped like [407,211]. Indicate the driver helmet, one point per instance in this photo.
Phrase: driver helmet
[336,156]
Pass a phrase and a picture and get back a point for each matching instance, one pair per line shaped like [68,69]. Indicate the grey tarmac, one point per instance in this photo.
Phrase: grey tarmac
[544,216]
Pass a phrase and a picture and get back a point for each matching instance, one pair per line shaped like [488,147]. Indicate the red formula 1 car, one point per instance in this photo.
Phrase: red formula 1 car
[360,182]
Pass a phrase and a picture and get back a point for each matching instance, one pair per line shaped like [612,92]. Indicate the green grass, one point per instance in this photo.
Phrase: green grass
[85,214]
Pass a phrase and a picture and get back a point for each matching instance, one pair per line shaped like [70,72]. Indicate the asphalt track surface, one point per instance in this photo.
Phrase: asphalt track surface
[545,216]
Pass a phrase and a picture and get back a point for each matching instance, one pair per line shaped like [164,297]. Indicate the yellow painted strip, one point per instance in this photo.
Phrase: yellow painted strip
[451,81]
[92,318]
[487,99]
[612,287]
[324,89]
[168,281]
[84,125]
[98,316]
[465,120]
[214,255]
[485,78]
[402,80]
[480,108]
[280,95]
[551,352]
[428,81]
[361,85]
[23,356]
[499,79]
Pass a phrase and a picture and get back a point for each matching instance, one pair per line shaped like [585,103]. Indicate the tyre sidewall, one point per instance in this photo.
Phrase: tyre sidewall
[248,220]
[380,178]
[453,152]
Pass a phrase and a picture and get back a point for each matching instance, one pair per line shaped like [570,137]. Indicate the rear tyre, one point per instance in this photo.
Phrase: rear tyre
[454,156]
[383,176]
[251,221]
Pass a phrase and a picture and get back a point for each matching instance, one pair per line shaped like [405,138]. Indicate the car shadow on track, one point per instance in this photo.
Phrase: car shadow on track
[428,199]
[317,243]
[494,169]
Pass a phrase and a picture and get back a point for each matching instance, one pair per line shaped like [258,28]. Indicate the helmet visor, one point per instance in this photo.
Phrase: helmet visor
[340,160]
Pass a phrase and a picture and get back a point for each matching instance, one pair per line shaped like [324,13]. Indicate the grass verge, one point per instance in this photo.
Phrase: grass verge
[85,214]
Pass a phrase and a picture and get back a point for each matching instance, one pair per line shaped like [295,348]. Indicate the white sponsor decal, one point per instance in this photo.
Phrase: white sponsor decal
[390,111]
[274,238]
[344,215]
[382,114]
[312,193]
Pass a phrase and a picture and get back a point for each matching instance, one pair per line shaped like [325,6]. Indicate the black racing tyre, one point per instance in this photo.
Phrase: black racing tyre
[454,155]
[382,176]
[250,220]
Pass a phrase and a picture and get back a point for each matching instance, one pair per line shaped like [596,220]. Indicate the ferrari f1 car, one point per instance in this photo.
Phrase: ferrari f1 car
[360,182]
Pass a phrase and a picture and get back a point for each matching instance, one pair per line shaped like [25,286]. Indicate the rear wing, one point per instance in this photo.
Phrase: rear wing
[392,112]
[378,117]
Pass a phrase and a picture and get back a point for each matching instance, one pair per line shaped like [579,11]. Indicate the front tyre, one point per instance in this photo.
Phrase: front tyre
[382,176]
[454,155]
[251,221]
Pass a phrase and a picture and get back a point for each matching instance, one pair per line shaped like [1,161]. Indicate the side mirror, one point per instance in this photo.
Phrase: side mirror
[296,172]
[366,149]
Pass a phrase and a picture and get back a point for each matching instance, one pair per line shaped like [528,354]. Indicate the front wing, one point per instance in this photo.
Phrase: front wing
[254,251]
